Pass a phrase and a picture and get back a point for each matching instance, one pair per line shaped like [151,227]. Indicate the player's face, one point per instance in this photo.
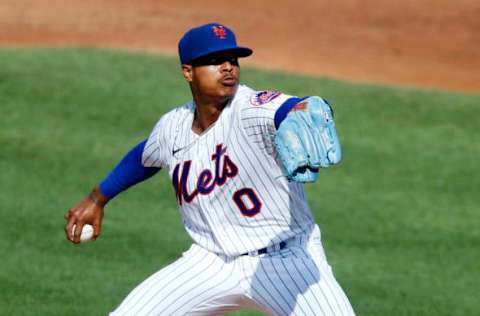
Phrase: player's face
[214,76]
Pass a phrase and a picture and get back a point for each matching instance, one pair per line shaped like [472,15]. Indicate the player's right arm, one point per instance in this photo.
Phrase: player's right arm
[140,163]
[128,172]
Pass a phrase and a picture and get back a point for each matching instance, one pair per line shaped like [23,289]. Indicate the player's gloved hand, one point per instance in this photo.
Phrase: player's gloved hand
[306,140]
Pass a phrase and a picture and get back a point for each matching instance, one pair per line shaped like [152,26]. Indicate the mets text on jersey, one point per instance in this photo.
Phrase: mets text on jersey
[245,198]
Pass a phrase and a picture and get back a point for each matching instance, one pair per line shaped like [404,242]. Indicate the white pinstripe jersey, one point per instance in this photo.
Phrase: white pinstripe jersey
[229,183]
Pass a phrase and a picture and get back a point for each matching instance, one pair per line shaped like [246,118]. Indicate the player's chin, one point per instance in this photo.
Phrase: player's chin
[228,91]
[229,86]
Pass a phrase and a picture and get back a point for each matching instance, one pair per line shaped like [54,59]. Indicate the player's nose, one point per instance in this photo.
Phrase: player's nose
[227,65]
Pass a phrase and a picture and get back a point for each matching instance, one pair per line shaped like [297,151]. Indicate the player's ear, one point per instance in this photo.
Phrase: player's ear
[187,72]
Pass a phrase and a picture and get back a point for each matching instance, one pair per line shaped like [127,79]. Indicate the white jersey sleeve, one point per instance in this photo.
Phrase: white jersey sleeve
[156,143]
[158,149]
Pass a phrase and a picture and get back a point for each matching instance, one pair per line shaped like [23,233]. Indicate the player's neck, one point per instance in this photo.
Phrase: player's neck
[207,113]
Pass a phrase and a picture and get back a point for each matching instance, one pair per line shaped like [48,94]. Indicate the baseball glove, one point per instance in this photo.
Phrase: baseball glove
[306,140]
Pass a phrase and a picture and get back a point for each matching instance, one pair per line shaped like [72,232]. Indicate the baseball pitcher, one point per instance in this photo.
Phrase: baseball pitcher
[238,160]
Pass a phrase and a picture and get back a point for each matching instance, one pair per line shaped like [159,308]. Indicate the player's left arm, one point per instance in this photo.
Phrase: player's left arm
[306,138]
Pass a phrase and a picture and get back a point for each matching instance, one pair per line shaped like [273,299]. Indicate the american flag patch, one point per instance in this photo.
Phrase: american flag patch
[302,106]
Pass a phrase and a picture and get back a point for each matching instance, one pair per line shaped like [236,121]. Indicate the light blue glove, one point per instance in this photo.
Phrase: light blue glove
[306,140]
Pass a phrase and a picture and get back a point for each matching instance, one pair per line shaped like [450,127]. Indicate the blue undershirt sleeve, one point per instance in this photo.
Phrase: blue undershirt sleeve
[127,173]
[283,110]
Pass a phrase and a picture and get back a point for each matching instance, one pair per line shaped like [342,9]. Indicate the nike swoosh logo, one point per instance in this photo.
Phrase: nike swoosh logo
[174,151]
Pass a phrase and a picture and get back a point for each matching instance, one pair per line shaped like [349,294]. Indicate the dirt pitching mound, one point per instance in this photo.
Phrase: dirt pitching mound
[428,43]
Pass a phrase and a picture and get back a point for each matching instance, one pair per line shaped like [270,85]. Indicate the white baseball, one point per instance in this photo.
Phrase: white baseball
[87,232]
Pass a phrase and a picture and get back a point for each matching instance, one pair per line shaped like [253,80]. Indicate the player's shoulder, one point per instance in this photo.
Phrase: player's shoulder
[171,120]
[178,113]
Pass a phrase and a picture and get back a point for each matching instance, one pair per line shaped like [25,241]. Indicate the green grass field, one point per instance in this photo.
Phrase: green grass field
[399,216]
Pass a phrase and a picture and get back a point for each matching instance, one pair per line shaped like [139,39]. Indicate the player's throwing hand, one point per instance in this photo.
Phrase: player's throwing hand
[88,211]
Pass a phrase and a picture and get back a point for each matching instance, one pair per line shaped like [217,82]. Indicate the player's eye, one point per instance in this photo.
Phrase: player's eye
[234,61]
[216,60]
[231,60]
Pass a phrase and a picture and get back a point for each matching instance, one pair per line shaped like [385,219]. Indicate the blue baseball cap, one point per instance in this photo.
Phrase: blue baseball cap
[208,39]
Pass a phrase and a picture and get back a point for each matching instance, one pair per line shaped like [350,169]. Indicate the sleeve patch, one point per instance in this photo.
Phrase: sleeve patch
[263,97]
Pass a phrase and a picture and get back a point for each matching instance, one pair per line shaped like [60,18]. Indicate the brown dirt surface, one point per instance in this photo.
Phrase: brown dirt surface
[427,43]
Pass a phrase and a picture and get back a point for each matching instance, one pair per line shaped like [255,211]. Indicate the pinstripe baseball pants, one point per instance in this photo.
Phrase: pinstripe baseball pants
[296,280]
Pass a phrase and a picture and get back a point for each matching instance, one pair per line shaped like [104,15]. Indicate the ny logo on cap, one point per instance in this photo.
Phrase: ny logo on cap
[219,31]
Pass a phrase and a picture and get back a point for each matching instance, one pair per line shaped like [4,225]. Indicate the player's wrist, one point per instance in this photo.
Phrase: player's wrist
[97,197]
